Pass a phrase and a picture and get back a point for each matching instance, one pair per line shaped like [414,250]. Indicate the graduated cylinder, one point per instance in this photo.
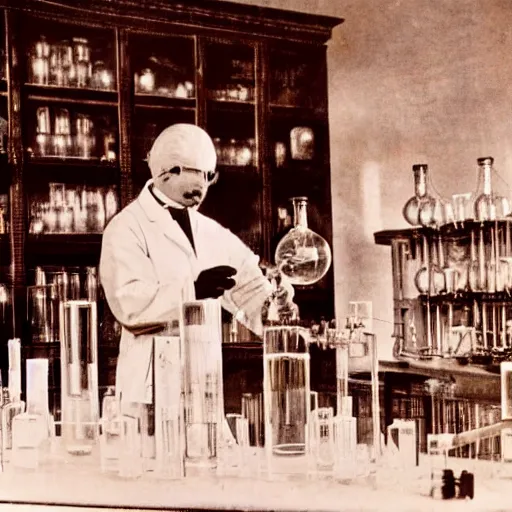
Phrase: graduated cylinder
[79,375]
[287,398]
[201,338]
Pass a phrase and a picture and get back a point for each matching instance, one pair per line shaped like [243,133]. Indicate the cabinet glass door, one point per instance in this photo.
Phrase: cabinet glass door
[235,200]
[164,85]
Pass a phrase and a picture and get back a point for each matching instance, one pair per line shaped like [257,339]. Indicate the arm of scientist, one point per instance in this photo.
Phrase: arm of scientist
[246,299]
[139,300]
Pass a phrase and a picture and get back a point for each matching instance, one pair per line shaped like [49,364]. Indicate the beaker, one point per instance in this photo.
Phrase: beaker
[302,255]
[201,349]
[79,375]
[286,397]
[321,441]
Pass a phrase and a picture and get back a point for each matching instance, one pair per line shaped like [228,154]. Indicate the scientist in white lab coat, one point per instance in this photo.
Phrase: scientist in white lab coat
[160,250]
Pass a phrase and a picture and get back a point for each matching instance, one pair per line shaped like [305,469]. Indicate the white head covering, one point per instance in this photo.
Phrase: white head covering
[182,144]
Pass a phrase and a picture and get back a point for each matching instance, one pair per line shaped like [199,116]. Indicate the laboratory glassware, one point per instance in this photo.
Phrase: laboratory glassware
[321,433]
[201,342]
[43,132]
[14,355]
[286,398]
[62,133]
[412,206]
[488,205]
[110,432]
[234,454]
[40,63]
[33,431]
[302,255]
[169,417]
[43,312]
[302,143]
[79,375]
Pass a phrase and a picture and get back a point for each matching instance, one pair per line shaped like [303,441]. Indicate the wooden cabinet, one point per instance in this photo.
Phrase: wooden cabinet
[85,87]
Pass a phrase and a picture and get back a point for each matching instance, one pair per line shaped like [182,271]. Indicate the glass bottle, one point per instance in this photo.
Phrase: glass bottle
[302,255]
[102,77]
[487,205]
[40,62]
[411,209]
[43,134]
[110,431]
[10,409]
[85,139]
[82,58]
[62,137]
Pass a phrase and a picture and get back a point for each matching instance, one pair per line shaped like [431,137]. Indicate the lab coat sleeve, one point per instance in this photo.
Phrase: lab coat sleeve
[246,298]
[135,295]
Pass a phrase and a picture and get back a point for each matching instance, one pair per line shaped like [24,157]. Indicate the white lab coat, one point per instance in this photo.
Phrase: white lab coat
[148,266]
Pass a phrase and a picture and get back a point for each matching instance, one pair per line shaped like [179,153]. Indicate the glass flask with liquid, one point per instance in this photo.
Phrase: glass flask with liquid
[302,255]
[412,207]
[79,371]
[286,399]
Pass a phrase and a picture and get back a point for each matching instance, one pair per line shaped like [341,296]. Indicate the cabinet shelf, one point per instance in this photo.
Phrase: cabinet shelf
[297,111]
[467,297]
[159,101]
[56,94]
[62,162]
[66,243]
[385,237]
[231,106]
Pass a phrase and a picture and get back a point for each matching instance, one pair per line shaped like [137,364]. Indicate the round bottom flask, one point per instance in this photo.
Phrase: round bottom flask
[303,255]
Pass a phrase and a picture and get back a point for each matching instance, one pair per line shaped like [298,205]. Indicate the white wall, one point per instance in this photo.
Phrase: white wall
[410,81]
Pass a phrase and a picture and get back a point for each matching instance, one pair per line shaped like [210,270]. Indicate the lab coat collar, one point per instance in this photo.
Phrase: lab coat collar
[170,228]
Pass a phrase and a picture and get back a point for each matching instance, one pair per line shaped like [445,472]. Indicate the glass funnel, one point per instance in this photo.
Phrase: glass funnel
[303,255]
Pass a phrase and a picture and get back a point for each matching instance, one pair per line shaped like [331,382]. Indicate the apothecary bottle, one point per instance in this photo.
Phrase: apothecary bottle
[412,206]
[303,255]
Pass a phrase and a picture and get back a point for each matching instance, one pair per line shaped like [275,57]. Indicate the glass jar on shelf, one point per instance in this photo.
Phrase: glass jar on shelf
[146,81]
[40,62]
[243,153]
[43,132]
[102,77]
[302,143]
[85,141]
[231,152]
[62,134]
[82,61]
[109,147]
[61,63]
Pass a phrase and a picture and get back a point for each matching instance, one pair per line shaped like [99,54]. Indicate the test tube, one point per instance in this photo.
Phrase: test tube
[14,350]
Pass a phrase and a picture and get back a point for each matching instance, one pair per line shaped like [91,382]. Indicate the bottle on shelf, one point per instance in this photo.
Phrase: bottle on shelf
[40,62]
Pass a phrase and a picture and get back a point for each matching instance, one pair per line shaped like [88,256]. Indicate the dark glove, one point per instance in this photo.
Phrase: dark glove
[212,282]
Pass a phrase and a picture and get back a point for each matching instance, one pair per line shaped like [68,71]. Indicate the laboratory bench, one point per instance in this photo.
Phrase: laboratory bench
[79,482]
